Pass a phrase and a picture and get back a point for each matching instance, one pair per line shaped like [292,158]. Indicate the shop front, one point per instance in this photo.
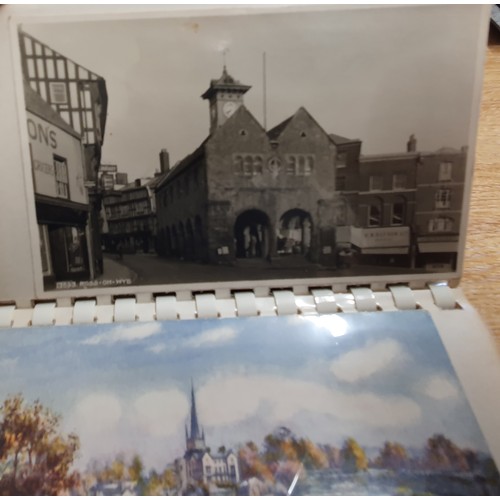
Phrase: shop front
[438,253]
[61,200]
[63,241]
[377,246]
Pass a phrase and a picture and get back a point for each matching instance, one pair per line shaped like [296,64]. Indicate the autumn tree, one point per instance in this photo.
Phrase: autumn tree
[392,456]
[34,458]
[442,454]
[311,455]
[116,471]
[158,483]
[251,464]
[353,456]
[333,455]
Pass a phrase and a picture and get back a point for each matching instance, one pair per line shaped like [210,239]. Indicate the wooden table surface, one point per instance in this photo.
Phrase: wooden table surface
[481,279]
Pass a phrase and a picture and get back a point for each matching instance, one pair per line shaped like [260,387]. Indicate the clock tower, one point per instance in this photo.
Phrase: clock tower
[225,96]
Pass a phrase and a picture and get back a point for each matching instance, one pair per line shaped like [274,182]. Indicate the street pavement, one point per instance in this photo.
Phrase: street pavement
[149,269]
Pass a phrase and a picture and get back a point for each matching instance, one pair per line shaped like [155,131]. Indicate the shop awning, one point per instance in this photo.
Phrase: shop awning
[386,251]
[438,247]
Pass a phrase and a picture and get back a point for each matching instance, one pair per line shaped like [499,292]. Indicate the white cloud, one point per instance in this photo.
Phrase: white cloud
[439,387]
[362,363]
[213,336]
[97,413]
[157,348]
[125,333]
[160,413]
[223,401]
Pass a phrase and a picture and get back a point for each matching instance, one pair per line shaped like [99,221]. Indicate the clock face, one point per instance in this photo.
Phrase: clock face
[229,108]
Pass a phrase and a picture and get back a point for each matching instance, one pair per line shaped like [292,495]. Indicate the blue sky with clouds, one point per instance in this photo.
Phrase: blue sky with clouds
[125,387]
[377,74]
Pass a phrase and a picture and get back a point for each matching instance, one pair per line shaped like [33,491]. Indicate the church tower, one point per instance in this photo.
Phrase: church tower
[195,439]
[225,96]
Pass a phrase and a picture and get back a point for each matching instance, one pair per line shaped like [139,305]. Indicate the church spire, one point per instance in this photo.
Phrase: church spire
[195,435]
[195,429]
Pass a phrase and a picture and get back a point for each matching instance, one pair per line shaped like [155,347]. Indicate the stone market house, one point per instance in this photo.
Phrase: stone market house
[248,193]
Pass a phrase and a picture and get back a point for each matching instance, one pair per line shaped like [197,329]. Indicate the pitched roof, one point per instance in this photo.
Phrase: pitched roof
[339,140]
[199,152]
[36,105]
[275,132]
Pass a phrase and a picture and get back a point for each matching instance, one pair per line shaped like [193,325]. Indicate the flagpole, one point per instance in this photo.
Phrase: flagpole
[265,89]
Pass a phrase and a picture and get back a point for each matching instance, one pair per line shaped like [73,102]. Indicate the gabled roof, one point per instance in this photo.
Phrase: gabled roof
[36,105]
[275,132]
[338,140]
[242,110]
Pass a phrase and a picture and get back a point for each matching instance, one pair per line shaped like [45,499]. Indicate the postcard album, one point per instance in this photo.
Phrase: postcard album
[229,238]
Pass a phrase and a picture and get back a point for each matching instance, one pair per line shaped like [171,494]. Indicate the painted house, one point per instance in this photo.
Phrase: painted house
[199,467]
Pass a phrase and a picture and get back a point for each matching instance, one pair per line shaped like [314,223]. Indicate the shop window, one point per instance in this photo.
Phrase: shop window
[75,240]
[45,250]
[398,214]
[399,181]
[375,215]
[62,181]
[376,183]
[441,225]
[443,198]
[445,169]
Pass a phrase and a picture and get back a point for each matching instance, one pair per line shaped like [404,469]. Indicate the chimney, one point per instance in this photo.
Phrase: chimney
[411,145]
[138,183]
[164,161]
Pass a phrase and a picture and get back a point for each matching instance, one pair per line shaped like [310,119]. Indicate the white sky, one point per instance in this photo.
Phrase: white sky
[378,75]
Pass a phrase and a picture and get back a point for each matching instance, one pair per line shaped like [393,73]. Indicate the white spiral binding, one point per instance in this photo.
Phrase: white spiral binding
[259,302]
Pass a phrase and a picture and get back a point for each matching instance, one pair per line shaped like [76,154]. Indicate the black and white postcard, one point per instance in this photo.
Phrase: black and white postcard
[324,143]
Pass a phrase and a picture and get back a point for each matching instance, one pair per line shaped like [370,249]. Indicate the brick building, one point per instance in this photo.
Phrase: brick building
[440,186]
[406,208]
[249,193]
